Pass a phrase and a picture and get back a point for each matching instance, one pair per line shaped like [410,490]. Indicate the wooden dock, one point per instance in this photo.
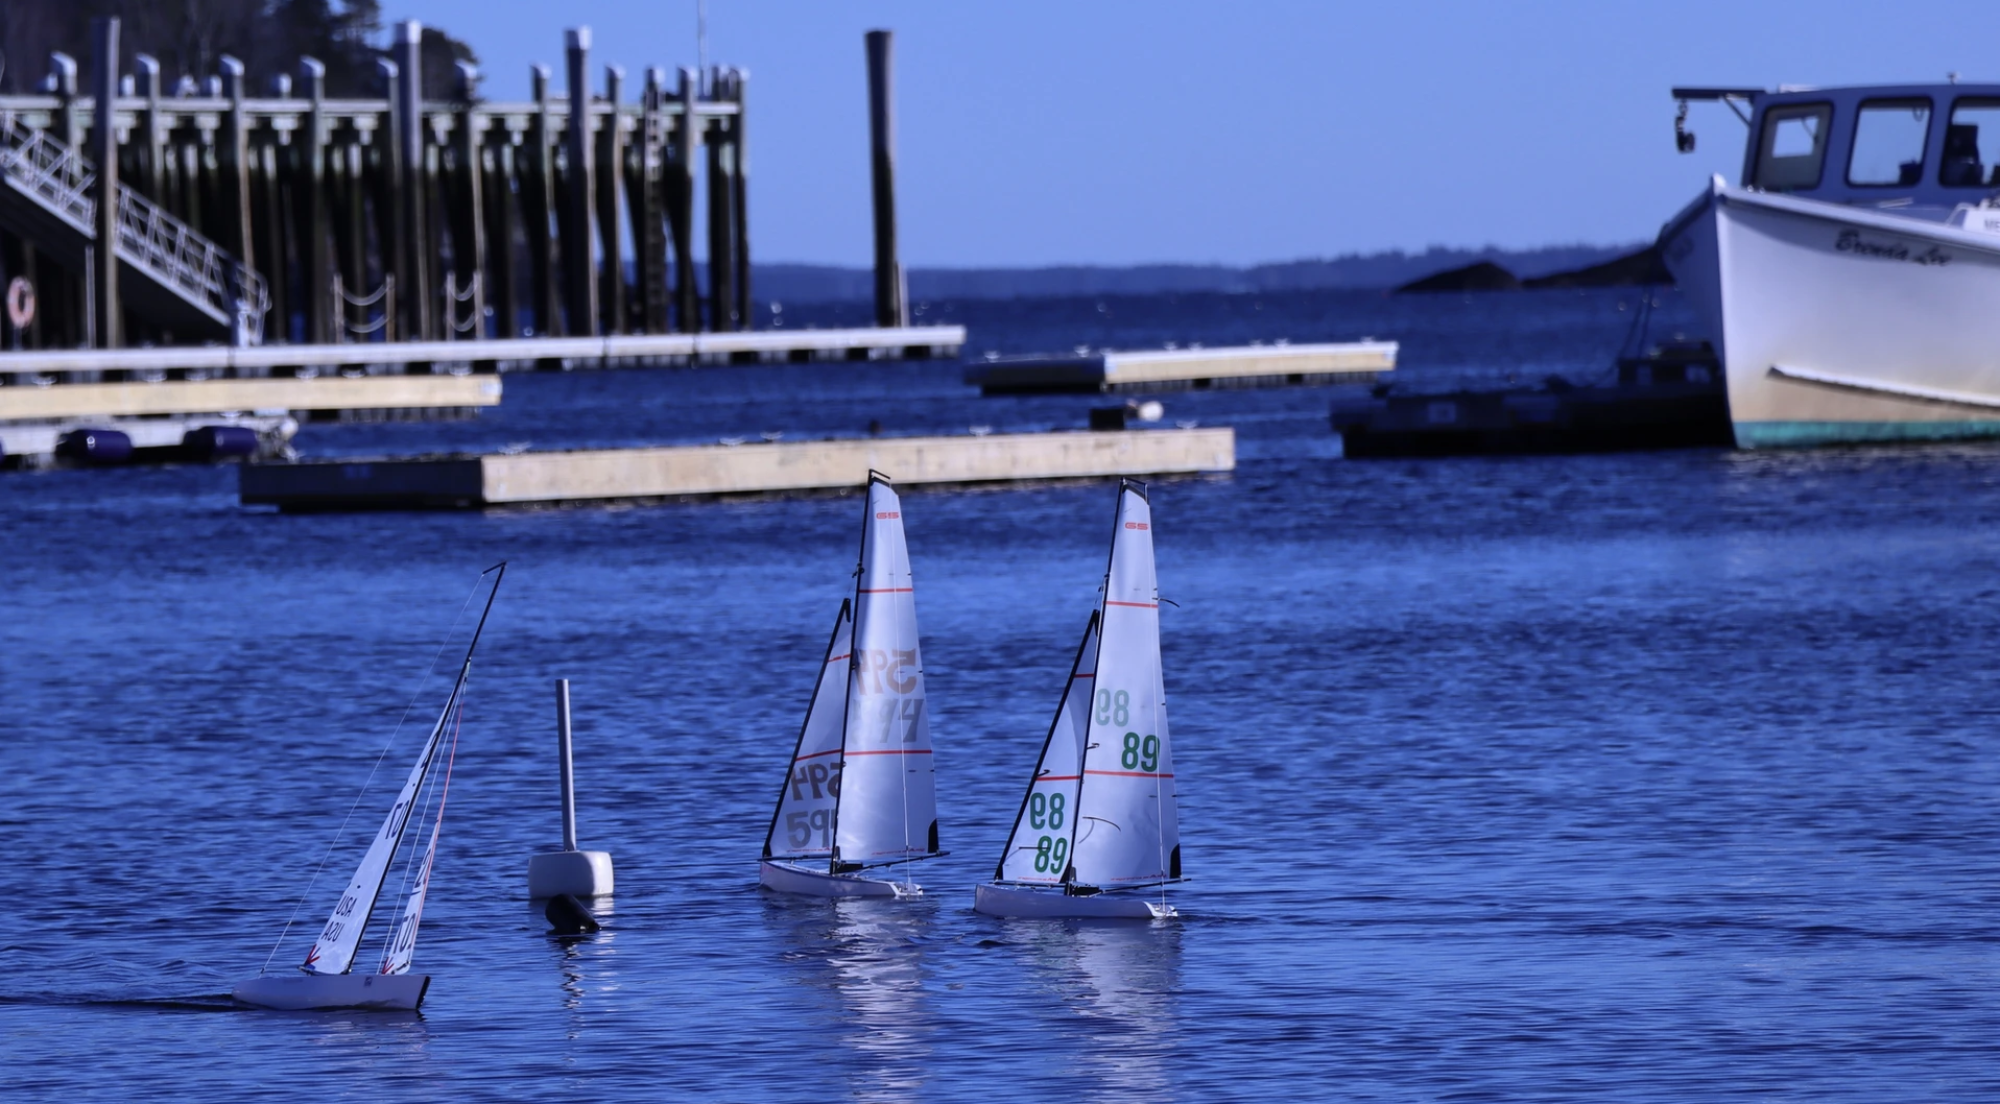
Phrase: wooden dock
[1186,369]
[448,482]
[149,207]
[527,352]
[307,397]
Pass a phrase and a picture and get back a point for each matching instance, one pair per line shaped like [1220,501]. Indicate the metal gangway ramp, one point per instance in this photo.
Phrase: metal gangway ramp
[167,272]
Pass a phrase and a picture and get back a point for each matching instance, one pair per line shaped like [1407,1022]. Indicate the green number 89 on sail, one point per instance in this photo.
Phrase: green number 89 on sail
[1113,708]
[1045,811]
[1050,853]
[1140,754]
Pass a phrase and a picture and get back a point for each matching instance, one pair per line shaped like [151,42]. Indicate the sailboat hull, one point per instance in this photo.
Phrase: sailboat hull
[303,992]
[791,878]
[1026,903]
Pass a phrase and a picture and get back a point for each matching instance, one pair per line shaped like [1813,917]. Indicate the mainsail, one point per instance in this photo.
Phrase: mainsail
[802,824]
[1125,830]
[886,810]
[333,953]
[1038,849]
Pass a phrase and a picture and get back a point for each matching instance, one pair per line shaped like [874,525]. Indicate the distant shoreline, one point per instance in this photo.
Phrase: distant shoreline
[806,283]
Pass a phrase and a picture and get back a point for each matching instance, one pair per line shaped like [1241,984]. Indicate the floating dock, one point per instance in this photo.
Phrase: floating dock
[460,482]
[149,440]
[315,397]
[1186,369]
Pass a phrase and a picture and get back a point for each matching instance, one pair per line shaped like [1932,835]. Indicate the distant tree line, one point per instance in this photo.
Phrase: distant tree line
[189,38]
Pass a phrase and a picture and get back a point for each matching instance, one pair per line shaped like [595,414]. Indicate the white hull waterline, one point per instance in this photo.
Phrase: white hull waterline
[791,878]
[307,992]
[1838,324]
[1030,903]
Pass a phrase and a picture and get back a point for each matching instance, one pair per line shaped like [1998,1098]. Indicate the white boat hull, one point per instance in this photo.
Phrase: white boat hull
[1841,324]
[302,992]
[791,878]
[1030,903]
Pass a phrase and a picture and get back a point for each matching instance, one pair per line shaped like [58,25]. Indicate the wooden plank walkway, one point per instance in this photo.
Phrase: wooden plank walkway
[706,470]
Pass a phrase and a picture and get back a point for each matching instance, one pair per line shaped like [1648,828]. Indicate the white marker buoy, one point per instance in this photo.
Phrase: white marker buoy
[577,873]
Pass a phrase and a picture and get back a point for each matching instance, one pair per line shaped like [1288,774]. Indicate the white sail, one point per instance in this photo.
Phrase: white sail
[1038,849]
[1126,829]
[403,940]
[887,807]
[802,826]
[333,952]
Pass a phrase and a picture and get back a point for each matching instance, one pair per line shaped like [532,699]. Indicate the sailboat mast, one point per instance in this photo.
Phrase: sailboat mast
[1097,664]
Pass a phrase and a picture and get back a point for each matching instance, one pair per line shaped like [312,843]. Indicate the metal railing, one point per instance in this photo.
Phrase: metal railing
[148,238]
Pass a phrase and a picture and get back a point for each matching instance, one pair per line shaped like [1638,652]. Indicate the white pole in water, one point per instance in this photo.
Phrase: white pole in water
[568,771]
[577,873]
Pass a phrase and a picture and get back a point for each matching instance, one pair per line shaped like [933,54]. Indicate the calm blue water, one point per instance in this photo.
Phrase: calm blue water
[1659,778]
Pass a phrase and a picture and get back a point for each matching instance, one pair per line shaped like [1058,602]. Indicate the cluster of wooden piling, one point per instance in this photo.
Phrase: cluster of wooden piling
[400,219]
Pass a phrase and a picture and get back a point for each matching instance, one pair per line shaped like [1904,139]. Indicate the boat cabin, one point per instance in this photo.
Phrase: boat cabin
[1906,145]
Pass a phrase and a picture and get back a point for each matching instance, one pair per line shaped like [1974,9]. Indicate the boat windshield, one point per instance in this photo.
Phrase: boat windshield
[1972,145]
[1792,150]
[1889,143]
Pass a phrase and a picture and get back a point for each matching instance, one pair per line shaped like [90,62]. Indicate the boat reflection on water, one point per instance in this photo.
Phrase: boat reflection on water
[869,956]
[1122,981]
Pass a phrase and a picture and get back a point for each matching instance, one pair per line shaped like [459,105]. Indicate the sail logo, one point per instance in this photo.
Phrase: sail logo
[888,515]
[1137,525]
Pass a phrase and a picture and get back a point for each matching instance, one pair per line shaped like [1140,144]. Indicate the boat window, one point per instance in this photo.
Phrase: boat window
[1889,143]
[1972,145]
[1793,147]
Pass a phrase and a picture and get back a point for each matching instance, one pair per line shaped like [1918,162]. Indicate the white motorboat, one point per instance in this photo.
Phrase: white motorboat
[860,792]
[1849,283]
[1098,829]
[325,979]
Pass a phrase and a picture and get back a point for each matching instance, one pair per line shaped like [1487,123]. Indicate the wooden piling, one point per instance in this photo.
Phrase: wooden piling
[468,232]
[233,156]
[309,159]
[538,207]
[680,205]
[104,152]
[580,277]
[740,199]
[644,188]
[390,228]
[610,181]
[721,223]
[890,307]
[414,184]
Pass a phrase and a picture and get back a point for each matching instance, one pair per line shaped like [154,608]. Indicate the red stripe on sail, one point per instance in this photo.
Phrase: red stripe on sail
[1136,605]
[1130,774]
[894,751]
[815,755]
[888,590]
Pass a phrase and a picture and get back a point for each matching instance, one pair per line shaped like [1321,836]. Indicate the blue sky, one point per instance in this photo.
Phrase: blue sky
[1118,132]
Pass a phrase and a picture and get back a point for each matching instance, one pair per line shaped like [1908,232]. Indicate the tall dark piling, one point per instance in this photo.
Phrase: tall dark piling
[104,154]
[890,308]
[580,281]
